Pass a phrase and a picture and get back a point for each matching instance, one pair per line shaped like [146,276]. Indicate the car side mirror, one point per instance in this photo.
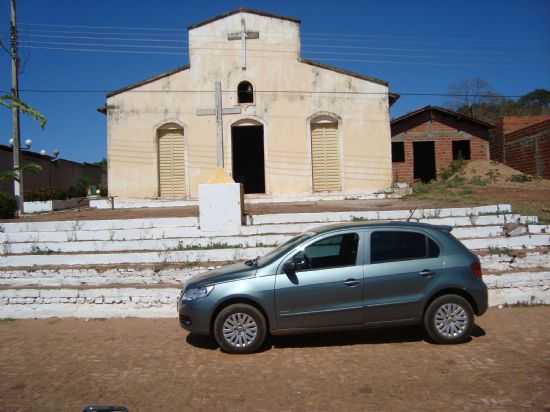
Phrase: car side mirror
[289,268]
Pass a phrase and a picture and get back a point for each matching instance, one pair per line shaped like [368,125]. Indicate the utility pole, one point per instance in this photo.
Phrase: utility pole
[18,178]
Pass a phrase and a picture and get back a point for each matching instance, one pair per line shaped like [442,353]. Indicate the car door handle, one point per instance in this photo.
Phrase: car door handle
[351,282]
[426,273]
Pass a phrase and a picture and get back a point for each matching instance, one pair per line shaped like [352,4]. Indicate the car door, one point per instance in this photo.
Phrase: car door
[327,287]
[401,265]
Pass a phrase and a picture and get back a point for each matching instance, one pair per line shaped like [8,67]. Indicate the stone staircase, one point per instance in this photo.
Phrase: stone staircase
[133,267]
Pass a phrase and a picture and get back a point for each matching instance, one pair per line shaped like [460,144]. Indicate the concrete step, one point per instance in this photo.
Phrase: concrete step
[462,225]
[85,276]
[518,288]
[415,214]
[467,234]
[51,258]
[74,226]
[147,274]
[162,257]
[145,245]
[113,224]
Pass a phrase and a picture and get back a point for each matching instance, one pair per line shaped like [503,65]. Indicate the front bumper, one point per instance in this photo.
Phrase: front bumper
[194,316]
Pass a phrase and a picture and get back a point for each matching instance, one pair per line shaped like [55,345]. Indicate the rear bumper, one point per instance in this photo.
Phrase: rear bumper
[481,298]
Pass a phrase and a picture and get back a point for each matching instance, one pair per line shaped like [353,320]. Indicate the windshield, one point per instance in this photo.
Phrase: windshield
[284,248]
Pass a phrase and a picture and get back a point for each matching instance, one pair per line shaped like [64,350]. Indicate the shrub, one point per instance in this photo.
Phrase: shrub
[478,181]
[454,167]
[8,206]
[520,178]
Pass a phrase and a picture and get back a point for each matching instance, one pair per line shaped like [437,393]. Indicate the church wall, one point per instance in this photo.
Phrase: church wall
[364,128]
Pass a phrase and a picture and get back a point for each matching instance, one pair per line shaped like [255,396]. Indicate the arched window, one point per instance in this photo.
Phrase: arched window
[245,92]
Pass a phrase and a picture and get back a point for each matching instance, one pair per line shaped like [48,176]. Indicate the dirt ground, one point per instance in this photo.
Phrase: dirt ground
[61,365]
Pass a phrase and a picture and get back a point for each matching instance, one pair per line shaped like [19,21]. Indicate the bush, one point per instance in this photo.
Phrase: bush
[454,167]
[521,178]
[8,206]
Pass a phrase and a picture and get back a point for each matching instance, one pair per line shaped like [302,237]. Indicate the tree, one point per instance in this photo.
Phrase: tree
[472,92]
[10,102]
[476,98]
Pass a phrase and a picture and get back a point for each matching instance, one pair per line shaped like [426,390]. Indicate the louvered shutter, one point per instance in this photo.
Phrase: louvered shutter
[325,154]
[171,164]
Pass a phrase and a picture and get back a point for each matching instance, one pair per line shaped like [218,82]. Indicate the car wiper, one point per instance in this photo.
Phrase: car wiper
[252,262]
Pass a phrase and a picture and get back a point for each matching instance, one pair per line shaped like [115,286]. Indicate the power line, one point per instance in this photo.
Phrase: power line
[302,92]
[31,36]
[22,42]
[103,27]
[310,54]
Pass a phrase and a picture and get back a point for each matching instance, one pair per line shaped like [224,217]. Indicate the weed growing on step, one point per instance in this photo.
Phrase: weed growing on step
[36,250]
[500,251]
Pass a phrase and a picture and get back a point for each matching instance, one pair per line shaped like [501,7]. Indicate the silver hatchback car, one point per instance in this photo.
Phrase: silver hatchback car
[337,277]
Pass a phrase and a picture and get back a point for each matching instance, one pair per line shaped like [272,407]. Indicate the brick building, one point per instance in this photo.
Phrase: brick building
[427,140]
[509,124]
[527,149]
[57,174]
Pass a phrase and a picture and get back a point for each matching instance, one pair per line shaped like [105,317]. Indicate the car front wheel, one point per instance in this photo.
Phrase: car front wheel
[240,328]
[449,319]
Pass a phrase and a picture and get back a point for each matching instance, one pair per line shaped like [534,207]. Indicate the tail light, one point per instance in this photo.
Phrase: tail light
[475,267]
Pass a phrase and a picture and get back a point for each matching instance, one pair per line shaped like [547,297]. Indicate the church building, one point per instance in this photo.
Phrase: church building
[248,104]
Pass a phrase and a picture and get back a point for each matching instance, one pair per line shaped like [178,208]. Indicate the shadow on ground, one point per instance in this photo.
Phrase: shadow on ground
[341,338]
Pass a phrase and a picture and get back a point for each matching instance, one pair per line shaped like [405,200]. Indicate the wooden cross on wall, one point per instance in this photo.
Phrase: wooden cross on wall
[242,36]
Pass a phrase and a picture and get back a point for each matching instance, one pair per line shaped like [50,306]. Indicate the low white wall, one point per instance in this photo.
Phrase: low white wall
[524,288]
[38,206]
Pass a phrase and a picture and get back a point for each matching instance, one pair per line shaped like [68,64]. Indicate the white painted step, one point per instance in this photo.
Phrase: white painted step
[473,237]
[146,245]
[503,263]
[93,277]
[463,228]
[82,259]
[522,288]
[380,215]
[113,224]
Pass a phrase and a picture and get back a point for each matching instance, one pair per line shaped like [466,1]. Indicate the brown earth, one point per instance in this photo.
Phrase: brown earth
[62,365]
[499,174]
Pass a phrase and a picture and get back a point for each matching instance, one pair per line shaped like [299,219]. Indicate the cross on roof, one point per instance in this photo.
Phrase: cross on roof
[242,36]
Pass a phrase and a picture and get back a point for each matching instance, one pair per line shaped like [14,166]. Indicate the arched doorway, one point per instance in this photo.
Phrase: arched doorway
[325,154]
[247,148]
[171,161]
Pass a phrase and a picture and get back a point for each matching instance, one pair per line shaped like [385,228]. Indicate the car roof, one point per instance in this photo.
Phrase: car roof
[379,224]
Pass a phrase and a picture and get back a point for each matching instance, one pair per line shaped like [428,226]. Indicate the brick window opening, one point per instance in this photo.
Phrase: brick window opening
[398,152]
[461,149]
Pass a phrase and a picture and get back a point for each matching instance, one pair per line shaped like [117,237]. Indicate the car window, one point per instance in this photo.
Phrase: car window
[333,251]
[284,248]
[388,246]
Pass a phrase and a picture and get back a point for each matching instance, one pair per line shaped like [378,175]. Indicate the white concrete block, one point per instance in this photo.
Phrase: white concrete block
[38,206]
[220,208]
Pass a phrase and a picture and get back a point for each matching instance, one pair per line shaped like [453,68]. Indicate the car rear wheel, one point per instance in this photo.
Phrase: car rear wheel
[449,319]
[240,328]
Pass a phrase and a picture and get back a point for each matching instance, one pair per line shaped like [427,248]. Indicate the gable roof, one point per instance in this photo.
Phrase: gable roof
[393,96]
[149,80]
[242,10]
[444,111]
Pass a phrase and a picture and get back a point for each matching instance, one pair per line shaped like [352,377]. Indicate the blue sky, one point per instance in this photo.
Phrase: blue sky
[418,46]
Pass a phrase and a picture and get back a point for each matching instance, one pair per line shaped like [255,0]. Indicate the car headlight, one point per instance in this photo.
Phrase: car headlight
[196,293]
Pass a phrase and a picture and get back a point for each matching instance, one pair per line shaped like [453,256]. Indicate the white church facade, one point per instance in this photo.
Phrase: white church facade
[248,103]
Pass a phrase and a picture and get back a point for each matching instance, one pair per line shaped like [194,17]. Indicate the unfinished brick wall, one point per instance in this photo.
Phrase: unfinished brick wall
[507,125]
[442,132]
[528,149]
